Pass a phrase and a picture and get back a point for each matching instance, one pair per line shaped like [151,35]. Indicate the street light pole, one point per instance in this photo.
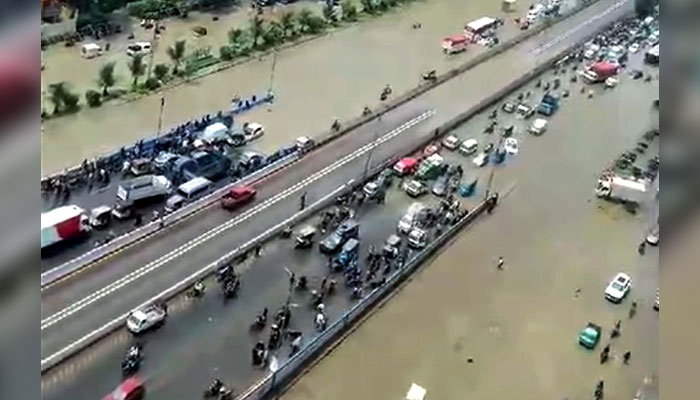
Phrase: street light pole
[160,116]
[371,150]
[153,50]
[493,170]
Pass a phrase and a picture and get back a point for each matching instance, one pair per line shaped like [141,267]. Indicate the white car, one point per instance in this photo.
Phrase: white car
[634,47]
[653,237]
[414,188]
[451,142]
[469,146]
[417,238]
[143,319]
[481,160]
[511,145]
[138,48]
[253,130]
[617,288]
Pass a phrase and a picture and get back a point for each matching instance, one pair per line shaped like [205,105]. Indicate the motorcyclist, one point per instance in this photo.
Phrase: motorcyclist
[302,284]
[213,388]
[366,111]
[198,288]
[336,125]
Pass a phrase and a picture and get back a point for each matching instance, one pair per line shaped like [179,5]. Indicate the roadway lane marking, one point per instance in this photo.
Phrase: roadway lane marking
[173,289]
[153,265]
[577,28]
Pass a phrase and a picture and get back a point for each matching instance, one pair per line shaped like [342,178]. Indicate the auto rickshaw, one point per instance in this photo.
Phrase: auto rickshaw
[468,187]
[304,239]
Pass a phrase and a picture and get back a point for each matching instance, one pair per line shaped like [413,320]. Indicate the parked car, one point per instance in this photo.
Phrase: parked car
[414,188]
[212,166]
[237,196]
[371,189]
[468,147]
[508,107]
[511,145]
[164,160]
[349,229]
[253,130]
[656,301]
[451,142]
[653,237]
[304,143]
[406,166]
[417,238]
[138,48]
[618,288]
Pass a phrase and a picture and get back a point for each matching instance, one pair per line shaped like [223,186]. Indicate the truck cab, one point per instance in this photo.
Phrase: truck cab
[548,105]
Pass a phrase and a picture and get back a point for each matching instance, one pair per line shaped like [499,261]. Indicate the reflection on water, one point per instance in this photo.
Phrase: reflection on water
[334,76]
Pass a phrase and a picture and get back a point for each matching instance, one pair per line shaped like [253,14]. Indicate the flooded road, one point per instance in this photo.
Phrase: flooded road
[334,76]
[519,326]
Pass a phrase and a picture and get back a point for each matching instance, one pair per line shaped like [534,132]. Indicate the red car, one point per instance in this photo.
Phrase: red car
[237,196]
[406,166]
[130,389]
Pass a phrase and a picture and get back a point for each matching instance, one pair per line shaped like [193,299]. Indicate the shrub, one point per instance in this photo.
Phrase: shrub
[151,83]
[349,10]
[93,98]
[160,71]
[71,101]
[227,53]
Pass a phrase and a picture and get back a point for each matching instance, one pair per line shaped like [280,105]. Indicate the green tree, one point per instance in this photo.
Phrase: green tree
[160,71]
[137,68]
[274,34]
[71,101]
[235,36]
[349,10]
[93,98]
[256,29]
[288,23]
[176,52]
[106,78]
[57,95]
[304,18]
[227,52]
[368,6]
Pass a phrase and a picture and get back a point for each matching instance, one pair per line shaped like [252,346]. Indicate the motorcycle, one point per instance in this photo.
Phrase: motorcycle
[197,290]
[132,359]
[336,126]
[302,284]
[430,75]
[213,389]
[366,111]
[230,287]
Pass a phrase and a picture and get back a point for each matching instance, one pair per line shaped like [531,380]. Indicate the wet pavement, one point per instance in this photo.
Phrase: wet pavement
[391,52]
[537,242]
[519,326]
[124,282]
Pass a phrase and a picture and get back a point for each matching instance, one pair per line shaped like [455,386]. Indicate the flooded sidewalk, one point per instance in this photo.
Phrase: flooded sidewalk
[332,77]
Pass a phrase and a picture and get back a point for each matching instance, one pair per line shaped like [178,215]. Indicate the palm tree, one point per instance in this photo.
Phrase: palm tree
[106,78]
[256,29]
[57,94]
[137,67]
[176,53]
[287,22]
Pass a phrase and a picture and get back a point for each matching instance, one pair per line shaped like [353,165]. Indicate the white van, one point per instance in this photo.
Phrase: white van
[534,13]
[194,187]
[216,132]
[538,126]
[90,50]
[410,218]
[468,147]
[138,48]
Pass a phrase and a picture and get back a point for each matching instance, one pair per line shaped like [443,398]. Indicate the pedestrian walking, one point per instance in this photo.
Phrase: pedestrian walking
[138,220]
[302,204]
[626,357]
[258,249]
[577,292]
[633,309]
[501,263]
[641,249]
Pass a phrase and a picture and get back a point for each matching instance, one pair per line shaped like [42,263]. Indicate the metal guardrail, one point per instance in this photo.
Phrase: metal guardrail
[131,237]
[282,376]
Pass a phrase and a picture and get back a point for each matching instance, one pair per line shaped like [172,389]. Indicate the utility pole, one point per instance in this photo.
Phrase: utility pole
[272,70]
[160,116]
[493,169]
[153,50]
[376,136]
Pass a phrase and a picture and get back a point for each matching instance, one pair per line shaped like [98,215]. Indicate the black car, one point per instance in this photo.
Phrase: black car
[334,241]
[212,166]
[440,185]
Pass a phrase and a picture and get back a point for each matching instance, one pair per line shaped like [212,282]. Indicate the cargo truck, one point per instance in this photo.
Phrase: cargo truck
[613,187]
[600,71]
[143,188]
[63,223]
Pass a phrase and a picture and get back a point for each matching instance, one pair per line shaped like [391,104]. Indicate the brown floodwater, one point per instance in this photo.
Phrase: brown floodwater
[327,78]
[520,325]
